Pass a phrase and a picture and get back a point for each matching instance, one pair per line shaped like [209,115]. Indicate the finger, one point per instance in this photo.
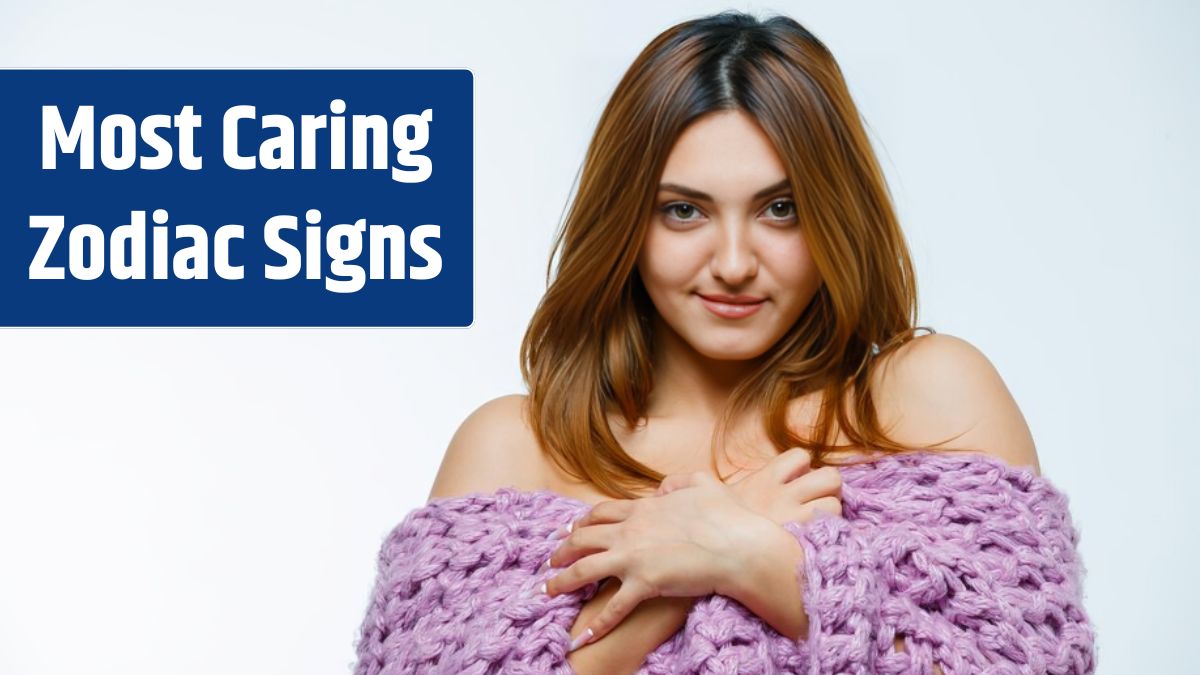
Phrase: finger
[584,571]
[584,541]
[608,511]
[791,463]
[825,481]
[621,605]
[830,505]
[674,482]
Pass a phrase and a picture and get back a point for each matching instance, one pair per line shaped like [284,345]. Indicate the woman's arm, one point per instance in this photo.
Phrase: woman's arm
[624,649]
[768,584]
[771,589]
[973,562]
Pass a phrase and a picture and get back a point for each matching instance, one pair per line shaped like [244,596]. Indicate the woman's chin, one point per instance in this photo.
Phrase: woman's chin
[737,352]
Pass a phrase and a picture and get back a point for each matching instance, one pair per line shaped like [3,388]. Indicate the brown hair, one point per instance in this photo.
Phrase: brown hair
[587,349]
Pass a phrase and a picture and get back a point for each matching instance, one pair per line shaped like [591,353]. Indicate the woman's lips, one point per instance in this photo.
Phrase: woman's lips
[731,310]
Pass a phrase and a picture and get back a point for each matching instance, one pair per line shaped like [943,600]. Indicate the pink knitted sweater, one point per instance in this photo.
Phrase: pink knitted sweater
[974,561]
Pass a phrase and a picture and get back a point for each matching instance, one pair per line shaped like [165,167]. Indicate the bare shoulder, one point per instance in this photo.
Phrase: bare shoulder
[493,447]
[940,389]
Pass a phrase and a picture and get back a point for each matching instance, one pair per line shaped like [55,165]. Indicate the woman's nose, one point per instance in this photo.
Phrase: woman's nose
[734,260]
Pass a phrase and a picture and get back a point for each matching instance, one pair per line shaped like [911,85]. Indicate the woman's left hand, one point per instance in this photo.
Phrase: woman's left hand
[687,541]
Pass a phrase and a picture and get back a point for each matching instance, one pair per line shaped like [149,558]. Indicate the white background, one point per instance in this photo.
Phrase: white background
[199,501]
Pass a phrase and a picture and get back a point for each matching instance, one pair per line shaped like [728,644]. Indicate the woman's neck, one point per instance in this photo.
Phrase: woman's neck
[688,383]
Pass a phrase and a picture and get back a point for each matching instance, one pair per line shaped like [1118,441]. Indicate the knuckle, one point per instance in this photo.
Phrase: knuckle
[830,477]
[621,560]
[777,471]
[567,578]
[623,538]
[602,622]
[616,606]
[569,542]
[644,585]
[830,505]
[795,455]
[791,463]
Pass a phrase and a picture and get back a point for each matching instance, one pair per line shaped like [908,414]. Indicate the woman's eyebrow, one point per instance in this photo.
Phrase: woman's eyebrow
[696,194]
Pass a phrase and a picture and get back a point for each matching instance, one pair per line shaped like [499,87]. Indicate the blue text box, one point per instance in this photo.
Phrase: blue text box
[302,198]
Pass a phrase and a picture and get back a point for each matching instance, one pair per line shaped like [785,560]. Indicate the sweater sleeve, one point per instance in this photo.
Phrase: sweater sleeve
[973,562]
[448,593]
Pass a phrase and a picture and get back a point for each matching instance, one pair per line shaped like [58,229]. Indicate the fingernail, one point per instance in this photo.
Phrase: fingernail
[537,588]
[562,531]
[545,564]
[581,640]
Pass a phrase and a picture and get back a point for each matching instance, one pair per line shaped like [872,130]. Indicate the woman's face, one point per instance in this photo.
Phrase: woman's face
[724,224]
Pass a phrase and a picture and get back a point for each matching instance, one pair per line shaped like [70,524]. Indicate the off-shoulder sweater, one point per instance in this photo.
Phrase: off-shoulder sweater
[974,562]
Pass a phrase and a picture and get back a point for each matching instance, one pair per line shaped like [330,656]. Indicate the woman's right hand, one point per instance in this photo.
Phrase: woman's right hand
[787,488]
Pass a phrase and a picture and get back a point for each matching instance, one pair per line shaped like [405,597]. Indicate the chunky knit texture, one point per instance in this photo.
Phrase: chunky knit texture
[974,561]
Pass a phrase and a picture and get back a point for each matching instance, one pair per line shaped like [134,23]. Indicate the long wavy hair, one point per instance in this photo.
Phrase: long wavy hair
[588,347]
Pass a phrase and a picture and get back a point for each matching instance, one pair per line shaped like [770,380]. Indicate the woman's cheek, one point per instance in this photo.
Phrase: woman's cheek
[671,264]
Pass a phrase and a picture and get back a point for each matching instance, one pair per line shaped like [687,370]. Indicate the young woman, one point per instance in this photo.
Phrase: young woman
[726,355]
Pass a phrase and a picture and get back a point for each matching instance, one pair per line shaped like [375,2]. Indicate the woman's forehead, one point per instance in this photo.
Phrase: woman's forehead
[724,156]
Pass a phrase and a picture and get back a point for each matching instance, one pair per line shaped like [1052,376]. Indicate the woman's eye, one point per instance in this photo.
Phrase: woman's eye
[789,209]
[679,211]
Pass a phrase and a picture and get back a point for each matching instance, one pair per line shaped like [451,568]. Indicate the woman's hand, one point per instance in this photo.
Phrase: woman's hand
[786,488]
[683,543]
